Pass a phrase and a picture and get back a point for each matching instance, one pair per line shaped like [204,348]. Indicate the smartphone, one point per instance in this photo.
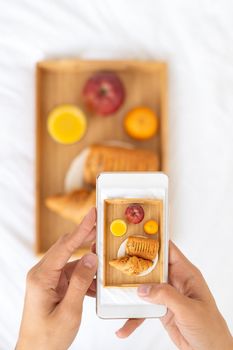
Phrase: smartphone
[132,242]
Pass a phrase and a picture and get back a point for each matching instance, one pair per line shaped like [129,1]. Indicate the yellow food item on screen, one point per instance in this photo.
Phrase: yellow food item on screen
[118,227]
[66,124]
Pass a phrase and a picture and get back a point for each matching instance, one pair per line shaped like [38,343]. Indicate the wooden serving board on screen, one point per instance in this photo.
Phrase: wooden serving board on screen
[61,82]
[115,209]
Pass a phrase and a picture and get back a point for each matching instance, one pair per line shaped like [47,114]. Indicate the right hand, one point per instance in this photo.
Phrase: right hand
[193,320]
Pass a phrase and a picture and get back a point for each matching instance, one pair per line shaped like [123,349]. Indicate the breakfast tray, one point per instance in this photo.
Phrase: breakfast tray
[115,208]
[61,82]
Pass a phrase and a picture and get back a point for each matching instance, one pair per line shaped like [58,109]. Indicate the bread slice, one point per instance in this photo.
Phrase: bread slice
[131,265]
[146,248]
[74,205]
[111,158]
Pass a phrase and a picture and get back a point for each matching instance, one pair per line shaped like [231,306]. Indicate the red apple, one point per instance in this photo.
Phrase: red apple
[134,213]
[103,93]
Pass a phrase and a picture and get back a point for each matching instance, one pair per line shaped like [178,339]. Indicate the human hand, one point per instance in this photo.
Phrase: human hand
[55,291]
[193,320]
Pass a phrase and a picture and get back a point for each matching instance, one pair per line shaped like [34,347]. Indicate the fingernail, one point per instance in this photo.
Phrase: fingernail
[144,290]
[89,260]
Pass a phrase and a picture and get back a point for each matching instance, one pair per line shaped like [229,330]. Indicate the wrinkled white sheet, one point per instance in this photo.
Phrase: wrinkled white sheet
[195,37]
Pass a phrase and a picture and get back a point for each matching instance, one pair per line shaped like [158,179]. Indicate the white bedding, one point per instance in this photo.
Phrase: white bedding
[195,37]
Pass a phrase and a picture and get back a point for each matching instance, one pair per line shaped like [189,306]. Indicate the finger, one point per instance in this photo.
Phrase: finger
[65,277]
[129,327]
[173,330]
[91,236]
[93,285]
[80,282]
[58,255]
[185,276]
[93,247]
[165,294]
[176,256]
[69,268]
[91,292]
[180,268]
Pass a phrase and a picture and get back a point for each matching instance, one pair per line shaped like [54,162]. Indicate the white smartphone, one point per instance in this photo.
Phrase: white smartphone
[132,242]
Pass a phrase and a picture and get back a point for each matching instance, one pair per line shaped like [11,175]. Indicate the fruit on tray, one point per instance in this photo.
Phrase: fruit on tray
[72,206]
[134,213]
[111,158]
[131,265]
[151,227]
[118,227]
[66,124]
[146,248]
[103,93]
[141,123]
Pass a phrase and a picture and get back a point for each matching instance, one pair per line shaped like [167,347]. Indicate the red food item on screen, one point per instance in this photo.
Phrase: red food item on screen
[134,213]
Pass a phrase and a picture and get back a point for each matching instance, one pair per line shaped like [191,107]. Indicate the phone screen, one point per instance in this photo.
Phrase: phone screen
[132,241]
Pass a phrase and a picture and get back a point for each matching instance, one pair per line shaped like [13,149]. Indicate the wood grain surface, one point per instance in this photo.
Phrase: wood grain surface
[115,209]
[61,82]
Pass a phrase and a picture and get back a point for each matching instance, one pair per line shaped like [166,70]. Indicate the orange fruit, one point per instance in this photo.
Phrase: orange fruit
[66,124]
[151,227]
[141,123]
[118,227]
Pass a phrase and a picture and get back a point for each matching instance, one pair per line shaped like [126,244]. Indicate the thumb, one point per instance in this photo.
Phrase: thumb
[165,294]
[80,281]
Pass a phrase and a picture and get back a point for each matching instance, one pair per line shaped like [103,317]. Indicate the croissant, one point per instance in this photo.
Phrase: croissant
[72,206]
[109,158]
[131,265]
[145,248]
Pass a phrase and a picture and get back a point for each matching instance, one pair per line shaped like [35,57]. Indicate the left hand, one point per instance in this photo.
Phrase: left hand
[55,291]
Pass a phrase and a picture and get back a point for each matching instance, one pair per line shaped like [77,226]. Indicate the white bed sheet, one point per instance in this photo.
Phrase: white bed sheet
[195,37]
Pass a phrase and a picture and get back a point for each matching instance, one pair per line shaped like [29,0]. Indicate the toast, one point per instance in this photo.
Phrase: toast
[141,247]
[111,158]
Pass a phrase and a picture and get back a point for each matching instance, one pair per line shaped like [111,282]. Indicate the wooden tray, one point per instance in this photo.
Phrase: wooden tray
[115,209]
[61,81]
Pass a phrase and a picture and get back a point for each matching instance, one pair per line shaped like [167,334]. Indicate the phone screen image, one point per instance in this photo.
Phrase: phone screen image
[132,241]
